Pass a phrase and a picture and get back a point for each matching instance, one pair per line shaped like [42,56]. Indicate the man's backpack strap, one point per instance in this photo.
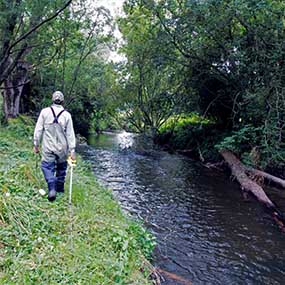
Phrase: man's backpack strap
[55,120]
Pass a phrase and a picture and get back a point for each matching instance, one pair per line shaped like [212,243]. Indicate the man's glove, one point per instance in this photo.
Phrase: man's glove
[71,162]
[36,149]
[73,155]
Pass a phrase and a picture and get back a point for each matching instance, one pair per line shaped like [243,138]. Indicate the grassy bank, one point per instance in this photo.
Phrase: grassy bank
[190,133]
[49,243]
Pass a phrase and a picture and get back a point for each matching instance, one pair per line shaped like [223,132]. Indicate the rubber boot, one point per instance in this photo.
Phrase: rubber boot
[60,187]
[51,192]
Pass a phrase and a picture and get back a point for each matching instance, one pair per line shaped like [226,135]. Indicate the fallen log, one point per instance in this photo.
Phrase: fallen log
[271,178]
[239,171]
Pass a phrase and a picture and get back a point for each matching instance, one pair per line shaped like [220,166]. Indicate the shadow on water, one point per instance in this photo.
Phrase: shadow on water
[205,231]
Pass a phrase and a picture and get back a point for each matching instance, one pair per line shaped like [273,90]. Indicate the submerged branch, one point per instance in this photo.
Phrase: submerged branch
[247,184]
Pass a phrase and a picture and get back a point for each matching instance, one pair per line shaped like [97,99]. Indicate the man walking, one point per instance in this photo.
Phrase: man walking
[54,129]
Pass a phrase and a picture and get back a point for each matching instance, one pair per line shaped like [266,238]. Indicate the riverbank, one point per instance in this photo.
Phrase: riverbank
[92,242]
[203,140]
[190,135]
[206,233]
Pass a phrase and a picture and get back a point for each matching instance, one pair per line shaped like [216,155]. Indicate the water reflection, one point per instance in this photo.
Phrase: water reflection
[125,140]
[206,232]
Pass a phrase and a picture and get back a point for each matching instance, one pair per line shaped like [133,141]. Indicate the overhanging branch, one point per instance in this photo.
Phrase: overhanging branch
[36,27]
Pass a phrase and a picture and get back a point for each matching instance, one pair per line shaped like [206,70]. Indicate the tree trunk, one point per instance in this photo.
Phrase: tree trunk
[239,172]
[13,88]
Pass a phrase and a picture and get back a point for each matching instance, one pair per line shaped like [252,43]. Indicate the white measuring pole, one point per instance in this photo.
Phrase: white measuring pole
[70,184]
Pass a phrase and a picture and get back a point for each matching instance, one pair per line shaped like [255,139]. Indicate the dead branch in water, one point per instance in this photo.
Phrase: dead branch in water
[239,171]
[270,178]
[174,277]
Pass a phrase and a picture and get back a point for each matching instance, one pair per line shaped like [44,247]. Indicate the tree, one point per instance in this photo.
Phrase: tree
[20,21]
[72,60]
[230,57]
[151,89]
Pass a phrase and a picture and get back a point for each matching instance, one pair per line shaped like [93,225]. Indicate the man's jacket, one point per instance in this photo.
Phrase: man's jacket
[45,132]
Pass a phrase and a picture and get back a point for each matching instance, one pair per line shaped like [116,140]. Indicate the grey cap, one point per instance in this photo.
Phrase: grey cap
[57,96]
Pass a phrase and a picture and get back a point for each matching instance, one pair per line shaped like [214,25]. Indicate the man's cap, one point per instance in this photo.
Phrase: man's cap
[57,96]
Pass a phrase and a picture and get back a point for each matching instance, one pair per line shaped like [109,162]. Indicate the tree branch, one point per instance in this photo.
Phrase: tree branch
[36,27]
[15,86]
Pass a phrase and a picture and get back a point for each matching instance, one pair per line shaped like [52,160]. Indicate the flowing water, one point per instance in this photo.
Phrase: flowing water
[206,232]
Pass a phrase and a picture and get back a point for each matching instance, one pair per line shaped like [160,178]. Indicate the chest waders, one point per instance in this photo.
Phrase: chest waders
[55,150]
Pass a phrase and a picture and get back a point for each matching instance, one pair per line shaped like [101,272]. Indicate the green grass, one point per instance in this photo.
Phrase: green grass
[177,122]
[92,242]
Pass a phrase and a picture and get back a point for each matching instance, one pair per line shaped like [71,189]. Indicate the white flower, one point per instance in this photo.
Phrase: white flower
[7,194]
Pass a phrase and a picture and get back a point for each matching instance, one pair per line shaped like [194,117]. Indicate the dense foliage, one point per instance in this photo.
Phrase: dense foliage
[221,59]
[58,45]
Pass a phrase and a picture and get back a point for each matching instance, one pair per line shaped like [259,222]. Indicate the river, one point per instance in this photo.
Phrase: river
[206,232]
